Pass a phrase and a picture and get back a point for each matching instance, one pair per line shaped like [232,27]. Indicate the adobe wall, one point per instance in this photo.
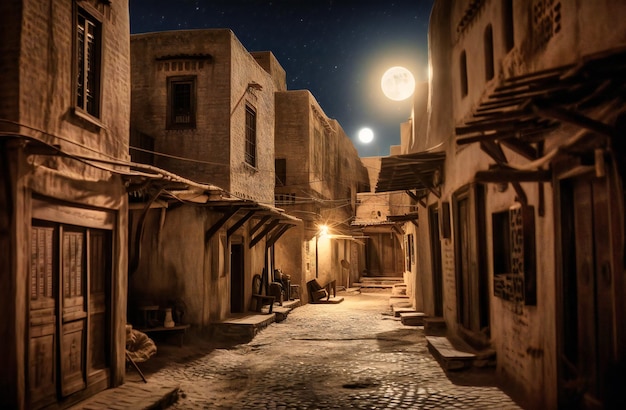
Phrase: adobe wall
[292,138]
[177,265]
[524,335]
[37,97]
[254,183]
[153,61]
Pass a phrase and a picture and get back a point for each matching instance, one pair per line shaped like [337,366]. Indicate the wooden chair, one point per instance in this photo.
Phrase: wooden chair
[317,292]
[259,300]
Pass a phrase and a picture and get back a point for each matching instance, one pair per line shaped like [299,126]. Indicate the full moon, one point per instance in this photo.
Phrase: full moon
[397,83]
[366,135]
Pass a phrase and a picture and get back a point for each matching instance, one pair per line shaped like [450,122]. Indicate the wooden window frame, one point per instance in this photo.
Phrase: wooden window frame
[463,74]
[87,88]
[280,169]
[488,49]
[251,136]
[173,122]
[508,23]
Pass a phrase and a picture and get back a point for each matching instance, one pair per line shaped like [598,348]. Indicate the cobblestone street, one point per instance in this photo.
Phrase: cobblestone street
[336,356]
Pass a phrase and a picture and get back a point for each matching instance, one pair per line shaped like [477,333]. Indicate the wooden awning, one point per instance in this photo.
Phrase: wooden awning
[521,109]
[422,170]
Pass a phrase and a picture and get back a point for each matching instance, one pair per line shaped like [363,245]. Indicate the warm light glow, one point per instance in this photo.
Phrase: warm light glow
[366,135]
[323,230]
[397,83]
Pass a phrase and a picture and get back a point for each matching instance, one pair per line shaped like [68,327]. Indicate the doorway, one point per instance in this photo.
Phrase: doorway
[237,280]
[384,254]
[587,291]
[435,258]
[472,282]
[70,313]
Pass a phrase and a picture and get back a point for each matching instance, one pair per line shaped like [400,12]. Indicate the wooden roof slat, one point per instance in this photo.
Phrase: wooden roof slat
[409,171]
[490,125]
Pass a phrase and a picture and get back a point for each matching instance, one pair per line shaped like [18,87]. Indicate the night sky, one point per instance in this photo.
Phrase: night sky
[337,49]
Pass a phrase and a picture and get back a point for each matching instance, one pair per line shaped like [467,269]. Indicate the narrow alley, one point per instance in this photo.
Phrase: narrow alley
[354,354]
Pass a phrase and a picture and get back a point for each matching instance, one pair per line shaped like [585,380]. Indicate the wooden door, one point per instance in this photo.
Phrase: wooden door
[73,312]
[435,251]
[100,248]
[384,254]
[587,326]
[63,358]
[472,282]
[466,298]
[42,343]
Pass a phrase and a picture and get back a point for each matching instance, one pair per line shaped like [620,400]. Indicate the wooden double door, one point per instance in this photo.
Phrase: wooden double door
[69,329]
[591,292]
[384,254]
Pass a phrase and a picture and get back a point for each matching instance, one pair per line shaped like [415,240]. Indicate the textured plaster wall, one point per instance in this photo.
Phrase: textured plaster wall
[256,183]
[37,92]
[177,265]
[208,143]
[525,341]
[293,140]
[223,71]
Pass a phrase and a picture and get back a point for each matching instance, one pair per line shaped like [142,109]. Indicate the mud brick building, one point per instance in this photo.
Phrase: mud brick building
[64,121]
[518,148]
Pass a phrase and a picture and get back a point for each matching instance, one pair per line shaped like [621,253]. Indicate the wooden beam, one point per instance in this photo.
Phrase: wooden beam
[264,232]
[494,150]
[279,232]
[512,175]
[259,224]
[575,118]
[239,223]
[221,222]
[520,147]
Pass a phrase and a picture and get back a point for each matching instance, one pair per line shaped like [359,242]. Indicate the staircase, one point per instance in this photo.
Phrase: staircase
[378,283]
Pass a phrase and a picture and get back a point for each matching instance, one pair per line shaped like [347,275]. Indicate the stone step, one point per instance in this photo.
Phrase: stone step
[373,285]
[379,281]
[412,318]
[434,325]
[395,301]
[398,310]
[398,289]
[448,355]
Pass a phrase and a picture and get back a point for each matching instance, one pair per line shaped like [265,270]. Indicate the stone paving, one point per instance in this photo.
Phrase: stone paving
[341,356]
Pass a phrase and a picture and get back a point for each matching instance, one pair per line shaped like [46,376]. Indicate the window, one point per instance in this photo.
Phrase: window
[463,67]
[181,102]
[514,263]
[507,12]
[88,49]
[250,136]
[488,39]
[501,242]
[280,165]
[409,251]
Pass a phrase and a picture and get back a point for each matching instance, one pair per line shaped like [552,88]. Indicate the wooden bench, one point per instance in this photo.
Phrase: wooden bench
[177,330]
[259,300]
